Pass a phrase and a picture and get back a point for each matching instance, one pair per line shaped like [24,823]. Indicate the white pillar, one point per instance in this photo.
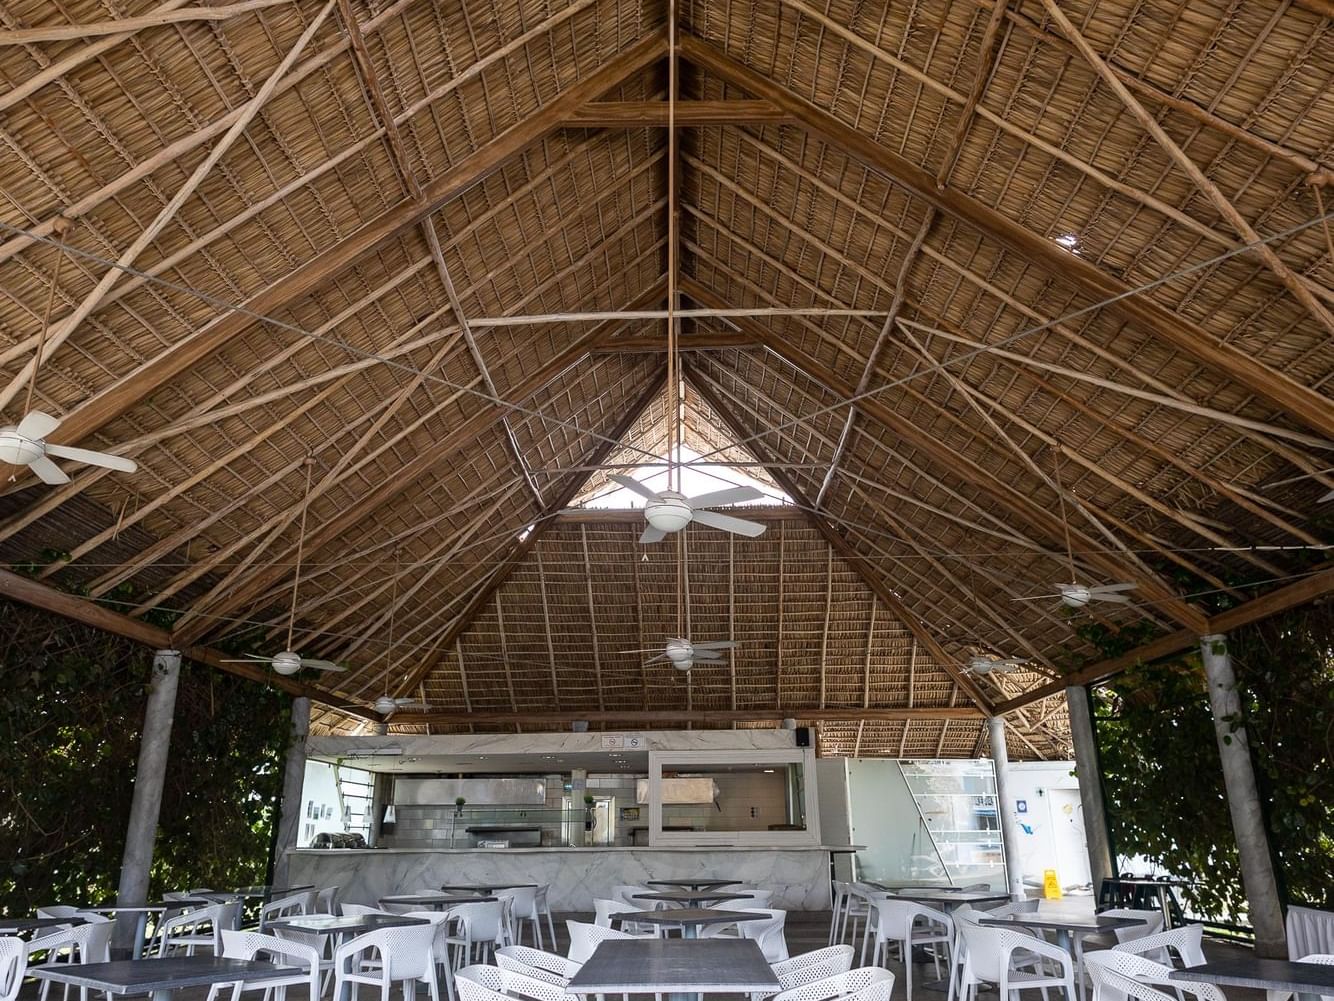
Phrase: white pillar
[294,781]
[1089,773]
[1243,799]
[146,801]
[1000,756]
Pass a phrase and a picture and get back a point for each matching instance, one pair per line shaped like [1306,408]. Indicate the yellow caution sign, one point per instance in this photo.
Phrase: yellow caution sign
[1051,886]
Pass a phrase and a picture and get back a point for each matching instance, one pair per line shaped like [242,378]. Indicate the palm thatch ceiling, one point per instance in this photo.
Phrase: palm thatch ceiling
[1076,276]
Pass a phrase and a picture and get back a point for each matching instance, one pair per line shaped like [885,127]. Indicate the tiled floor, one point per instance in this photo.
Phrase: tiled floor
[805,931]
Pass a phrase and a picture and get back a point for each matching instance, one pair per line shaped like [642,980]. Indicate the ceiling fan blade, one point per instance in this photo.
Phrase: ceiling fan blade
[1326,498]
[737,526]
[633,484]
[37,424]
[47,471]
[659,657]
[1035,597]
[717,645]
[322,665]
[709,655]
[104,459]
[1108,588]
[721,498]
[1116,599]
[651,535]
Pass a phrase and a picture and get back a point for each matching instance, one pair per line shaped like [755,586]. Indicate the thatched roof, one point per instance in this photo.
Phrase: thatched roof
[1086,242]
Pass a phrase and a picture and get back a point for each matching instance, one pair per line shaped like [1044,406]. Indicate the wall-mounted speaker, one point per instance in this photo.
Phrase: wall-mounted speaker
[803,736]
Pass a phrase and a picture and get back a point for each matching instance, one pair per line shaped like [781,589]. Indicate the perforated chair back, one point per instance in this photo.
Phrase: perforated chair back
[1185,944]
[1153,923]
[489,983]
[360,910]
[584,938]
[866,983]
[767,934]
[407,953]
[283,951]
[13,963]
[812,966]
[326,900]
[57,911]
[537,964]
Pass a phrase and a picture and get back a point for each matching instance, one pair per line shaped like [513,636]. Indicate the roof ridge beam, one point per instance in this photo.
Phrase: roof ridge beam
[1302,402]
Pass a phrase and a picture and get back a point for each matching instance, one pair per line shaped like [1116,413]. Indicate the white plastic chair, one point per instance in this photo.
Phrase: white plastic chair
[58,911]
[443,924]
[523,904]
[812,966]
[1186,942]
[988,956]
[406,955]
[286,907]
[13,964]
[326,900]
[1014,907]
[626,894]
[257,945]
[361,910]
[908,924]
[187,931]
[746,900]
[584,938]
[1120,976]
[860,900]
[1021,950]
[534,963]
[322,945]
[542,909]
[866,983]
[86,943]
[767,934]
[603,909]
[491,983]
[478,927]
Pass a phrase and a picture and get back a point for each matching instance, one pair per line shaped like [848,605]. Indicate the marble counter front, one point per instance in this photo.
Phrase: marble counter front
[798,877]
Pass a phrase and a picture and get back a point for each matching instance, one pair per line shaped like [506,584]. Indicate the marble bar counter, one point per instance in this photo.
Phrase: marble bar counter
[798,877]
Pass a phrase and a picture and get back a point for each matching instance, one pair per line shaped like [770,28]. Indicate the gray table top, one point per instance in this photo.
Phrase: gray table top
[688,896]
[127,909]
[928,895]
[9,926]
[437,899]
[1264,974]
[135,976]
[488,887]
[1063,922]
[693,884]
[675,966]
[689,916]
[327,924]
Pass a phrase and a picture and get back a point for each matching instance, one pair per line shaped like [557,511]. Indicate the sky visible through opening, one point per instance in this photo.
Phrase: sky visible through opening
[694,481]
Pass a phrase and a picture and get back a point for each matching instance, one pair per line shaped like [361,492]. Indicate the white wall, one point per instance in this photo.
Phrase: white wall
[1051,824]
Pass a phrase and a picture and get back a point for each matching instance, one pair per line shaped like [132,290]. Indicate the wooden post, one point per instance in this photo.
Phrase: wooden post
[1089,772]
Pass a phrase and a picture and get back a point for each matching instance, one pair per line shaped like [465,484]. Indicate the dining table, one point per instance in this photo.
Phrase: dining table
[159,978]
[19,926]
[1068,927]
[1309,981]
[437,901]
[689,898]
[679,968]
[699,883]
[689,919]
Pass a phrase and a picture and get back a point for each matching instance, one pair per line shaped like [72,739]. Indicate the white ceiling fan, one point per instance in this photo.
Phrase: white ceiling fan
[1075,594]
[670,511]
[682,653]
[289,662]
[387,705]
[994,665]
[25,444]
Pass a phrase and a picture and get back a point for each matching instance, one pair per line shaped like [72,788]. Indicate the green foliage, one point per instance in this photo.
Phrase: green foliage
[1163,777]
[70,710]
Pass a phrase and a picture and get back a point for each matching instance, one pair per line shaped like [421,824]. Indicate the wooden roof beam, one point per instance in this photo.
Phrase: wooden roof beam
[847,553]
[657,344]
[116,399]
[521,547]
[1036,517]
[1283,599]
[653,114]
[720,717]
[1302,402]
[31,592]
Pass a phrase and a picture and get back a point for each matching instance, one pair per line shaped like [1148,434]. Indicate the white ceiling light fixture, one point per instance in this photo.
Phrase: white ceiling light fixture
[669,511]
[682,653]
[994,665]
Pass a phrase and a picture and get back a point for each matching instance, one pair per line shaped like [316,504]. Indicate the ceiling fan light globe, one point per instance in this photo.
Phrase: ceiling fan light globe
[1075,595]
[668,512]
[683,665]
[286,663]
[385,705]
[979,665]
[679,652]
[17,450]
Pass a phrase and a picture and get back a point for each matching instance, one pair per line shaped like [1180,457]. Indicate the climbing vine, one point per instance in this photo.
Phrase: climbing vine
[71,708]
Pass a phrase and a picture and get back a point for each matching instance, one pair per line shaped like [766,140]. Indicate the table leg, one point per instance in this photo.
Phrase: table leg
[161,995]
[1165,902]
[140,934]
[1067,942]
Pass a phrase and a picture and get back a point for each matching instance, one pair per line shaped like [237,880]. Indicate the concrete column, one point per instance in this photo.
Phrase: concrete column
[146,801]
[294,781]
[1089,772]
[1000,755]
[1243,799]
